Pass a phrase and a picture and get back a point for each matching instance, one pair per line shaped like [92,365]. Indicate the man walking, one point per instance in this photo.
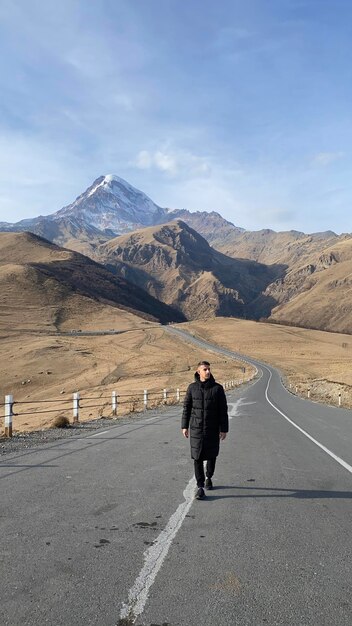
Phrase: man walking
[205,419]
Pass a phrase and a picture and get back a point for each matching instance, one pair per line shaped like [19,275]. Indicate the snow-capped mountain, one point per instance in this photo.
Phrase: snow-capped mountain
[112,203]
[111,207]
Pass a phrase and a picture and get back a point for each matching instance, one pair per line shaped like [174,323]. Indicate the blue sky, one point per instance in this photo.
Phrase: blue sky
[238,106]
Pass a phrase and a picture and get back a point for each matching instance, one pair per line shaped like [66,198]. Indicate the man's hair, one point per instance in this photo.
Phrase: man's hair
[203,363]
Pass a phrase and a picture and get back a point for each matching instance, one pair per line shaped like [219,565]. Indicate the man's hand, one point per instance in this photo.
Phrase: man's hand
[185,432]
[222,436]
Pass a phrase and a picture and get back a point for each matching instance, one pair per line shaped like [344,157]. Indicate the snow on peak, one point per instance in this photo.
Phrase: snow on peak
[111,202]
[121,187]
[109,178]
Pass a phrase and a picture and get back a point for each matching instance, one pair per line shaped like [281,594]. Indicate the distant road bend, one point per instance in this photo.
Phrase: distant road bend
[103,529]
[320,419]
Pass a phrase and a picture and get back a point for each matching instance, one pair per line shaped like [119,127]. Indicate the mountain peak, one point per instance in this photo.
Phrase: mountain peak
[112,203]
[112,183]
[111,206]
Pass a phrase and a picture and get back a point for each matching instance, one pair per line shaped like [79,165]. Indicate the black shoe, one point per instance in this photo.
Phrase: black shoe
[199,495]
[208,483]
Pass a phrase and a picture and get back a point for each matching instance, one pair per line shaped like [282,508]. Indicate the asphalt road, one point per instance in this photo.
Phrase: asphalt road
[103,529]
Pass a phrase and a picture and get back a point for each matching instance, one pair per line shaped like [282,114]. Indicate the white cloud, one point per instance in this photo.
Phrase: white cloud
[326,158]
[144,160]
[179,163]
[166,162]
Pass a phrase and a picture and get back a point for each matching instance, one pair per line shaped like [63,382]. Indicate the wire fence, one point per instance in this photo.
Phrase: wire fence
[78,406]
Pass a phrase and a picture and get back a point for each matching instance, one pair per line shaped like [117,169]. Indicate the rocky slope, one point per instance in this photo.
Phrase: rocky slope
[314,290]
[176,265]
[317,293]
[211,225]
[268,246]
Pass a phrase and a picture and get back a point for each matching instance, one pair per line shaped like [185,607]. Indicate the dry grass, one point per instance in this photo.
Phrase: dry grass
[35,367]
[318,360]
[61,421]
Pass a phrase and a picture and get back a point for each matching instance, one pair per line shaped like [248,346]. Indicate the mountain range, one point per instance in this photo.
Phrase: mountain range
[199,264]
[112,207]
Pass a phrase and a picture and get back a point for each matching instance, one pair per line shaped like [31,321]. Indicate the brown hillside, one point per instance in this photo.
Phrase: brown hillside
[268,246]
[308,359]
[211,225]
[176,265]
[314,291]
[45,286]
[318,294]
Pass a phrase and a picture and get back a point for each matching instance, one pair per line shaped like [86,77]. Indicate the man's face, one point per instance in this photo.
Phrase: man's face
[204,372]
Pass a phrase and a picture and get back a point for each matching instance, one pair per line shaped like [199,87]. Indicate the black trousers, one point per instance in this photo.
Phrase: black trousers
[199,470]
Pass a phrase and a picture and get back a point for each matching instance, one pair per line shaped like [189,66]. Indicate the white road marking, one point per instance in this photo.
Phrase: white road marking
[296,469]
[154,557]
[304,432]
[234,407]
[97,434]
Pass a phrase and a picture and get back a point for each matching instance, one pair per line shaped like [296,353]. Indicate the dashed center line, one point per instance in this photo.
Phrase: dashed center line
[154,558]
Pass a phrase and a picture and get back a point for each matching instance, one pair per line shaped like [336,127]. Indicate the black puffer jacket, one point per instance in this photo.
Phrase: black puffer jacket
[205,414]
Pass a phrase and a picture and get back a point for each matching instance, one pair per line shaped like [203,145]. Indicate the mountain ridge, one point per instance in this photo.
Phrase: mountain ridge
[35,270]
[301,261]
[111,206]
[178,266]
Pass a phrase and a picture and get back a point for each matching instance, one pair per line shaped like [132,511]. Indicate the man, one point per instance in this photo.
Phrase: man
[205,419]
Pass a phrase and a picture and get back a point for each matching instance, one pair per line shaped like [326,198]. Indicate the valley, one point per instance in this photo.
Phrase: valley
[129,267]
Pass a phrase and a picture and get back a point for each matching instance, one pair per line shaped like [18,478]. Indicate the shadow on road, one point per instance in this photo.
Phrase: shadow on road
[274,492]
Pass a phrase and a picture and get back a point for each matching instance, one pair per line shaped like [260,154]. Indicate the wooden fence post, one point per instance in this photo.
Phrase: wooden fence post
[165,394]
[76,407]
[308,392]
[8,415]
[339,399]
[177,394]
[114,402]
[145,398]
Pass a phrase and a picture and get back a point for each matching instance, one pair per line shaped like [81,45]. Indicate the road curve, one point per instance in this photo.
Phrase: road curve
[103,529]
[326,425]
